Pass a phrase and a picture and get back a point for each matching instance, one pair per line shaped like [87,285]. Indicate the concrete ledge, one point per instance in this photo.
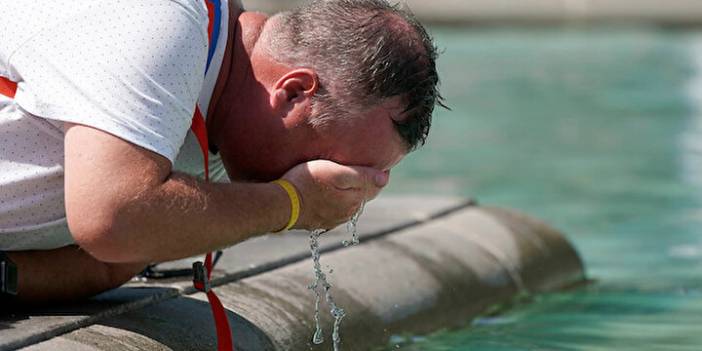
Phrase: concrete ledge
[437,275]
[440,269]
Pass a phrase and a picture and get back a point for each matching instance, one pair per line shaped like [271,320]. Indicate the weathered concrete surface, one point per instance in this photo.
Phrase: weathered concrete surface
[673,12]
[439,274]
[423,264]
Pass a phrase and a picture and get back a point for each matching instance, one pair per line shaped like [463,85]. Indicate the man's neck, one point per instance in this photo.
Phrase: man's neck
[244,31]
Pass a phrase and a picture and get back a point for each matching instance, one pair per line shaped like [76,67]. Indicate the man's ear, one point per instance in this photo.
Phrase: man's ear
[294,87]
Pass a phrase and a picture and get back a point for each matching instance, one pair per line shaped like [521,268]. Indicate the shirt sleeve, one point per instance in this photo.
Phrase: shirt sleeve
[133,71]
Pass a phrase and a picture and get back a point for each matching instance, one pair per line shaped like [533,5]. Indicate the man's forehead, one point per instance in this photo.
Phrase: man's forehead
[376,142]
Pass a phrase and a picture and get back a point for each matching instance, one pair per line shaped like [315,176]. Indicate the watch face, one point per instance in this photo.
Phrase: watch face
[8,278]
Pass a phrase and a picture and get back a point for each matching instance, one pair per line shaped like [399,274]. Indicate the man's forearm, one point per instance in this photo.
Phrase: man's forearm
[68,273]
[185,217]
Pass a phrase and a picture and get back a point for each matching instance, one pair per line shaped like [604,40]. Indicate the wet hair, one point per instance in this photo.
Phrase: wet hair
[365,52]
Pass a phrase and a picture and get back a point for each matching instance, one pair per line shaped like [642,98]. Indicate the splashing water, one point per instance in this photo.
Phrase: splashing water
[320,279]
[351,227]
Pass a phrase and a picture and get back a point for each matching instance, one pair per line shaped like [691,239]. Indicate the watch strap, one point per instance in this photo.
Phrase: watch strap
[8,275]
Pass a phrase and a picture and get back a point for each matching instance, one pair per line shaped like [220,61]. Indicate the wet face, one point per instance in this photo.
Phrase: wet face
[265,127]
[366,139]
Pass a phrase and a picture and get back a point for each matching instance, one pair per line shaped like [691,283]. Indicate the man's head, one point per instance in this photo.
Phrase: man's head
[353,81]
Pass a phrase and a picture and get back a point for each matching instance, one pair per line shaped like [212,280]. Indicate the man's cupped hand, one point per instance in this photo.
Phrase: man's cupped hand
[331,193]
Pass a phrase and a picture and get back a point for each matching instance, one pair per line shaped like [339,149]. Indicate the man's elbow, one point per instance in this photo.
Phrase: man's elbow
[102,234]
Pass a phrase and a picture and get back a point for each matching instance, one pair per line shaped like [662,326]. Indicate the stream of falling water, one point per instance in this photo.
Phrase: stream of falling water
[320,280]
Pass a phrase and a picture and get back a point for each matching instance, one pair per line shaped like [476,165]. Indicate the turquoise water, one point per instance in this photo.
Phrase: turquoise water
[599,132]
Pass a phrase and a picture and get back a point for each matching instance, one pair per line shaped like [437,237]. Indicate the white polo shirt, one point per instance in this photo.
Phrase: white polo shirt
[132,68]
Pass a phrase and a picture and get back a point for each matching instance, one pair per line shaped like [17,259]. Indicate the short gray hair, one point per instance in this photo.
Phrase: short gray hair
[365,51]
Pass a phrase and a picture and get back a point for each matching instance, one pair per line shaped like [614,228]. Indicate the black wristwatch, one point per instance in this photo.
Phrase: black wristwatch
[8,276]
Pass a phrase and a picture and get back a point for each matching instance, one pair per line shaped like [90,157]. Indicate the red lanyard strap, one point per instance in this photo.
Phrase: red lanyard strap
[201,281]
[203,272]
[7,87]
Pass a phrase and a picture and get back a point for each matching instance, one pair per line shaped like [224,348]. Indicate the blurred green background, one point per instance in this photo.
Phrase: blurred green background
[598,131]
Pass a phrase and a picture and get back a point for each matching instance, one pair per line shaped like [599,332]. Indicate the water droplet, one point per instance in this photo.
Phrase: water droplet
[318,337]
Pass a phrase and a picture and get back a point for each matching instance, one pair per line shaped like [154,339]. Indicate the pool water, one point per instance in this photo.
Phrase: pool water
[598,131]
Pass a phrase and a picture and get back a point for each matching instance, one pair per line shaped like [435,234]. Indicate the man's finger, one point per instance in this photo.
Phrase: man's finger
[348,177]
[381,179]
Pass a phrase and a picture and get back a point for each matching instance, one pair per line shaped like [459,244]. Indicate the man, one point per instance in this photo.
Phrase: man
[96,161]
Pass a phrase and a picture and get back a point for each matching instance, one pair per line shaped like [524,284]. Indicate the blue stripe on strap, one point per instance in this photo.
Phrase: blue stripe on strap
[217,5]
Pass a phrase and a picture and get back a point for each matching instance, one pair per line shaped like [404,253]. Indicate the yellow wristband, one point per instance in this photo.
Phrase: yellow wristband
[294,202]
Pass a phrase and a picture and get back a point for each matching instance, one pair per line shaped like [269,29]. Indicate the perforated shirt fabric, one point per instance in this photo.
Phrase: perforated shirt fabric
[131,68]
